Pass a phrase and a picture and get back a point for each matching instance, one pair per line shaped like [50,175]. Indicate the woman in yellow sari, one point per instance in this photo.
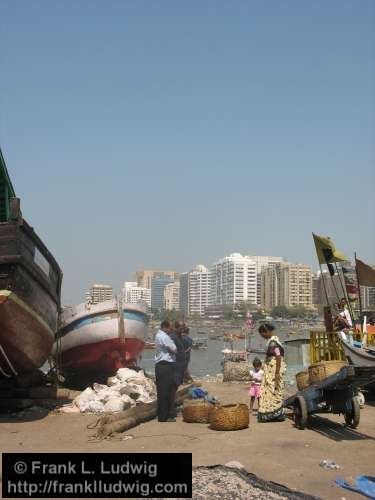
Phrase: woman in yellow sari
[272,392]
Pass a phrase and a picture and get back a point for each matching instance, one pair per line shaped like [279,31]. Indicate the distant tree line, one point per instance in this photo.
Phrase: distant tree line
[237,313]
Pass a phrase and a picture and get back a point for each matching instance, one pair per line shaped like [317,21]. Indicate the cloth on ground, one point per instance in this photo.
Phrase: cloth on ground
[365,485]
[198,393]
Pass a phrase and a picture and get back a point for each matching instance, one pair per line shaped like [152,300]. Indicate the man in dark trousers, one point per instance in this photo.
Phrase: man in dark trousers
[165,361]
[180,365]
[188,342]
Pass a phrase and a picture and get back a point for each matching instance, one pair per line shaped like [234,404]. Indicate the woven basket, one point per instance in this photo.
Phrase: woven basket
[229,417]
[236,371]
[196,411]
[320,371]
[303,381]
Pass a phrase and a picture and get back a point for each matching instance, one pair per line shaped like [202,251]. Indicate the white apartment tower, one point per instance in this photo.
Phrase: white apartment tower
[233,280]
[172,296]
[195,291]
[99,293]
[134,294]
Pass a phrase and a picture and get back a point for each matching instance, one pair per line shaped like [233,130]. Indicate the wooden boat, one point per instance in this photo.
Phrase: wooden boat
[358,356]
[30,287]
[95,340]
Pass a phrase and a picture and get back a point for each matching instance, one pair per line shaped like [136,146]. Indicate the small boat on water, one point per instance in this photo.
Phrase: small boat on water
[30,288]
[199,344]
[94,341]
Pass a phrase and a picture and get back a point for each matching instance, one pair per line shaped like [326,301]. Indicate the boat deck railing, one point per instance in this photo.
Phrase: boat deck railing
[326,346]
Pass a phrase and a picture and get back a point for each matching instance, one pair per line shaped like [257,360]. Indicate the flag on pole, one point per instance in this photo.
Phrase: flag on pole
[326,250]
[366,273]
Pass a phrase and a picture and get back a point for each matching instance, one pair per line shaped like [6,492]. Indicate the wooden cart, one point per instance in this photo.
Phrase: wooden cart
[336,394]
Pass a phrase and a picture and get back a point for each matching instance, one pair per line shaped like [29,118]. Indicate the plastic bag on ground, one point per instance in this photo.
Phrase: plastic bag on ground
[83,399]
[114,404]
[128,401]
[99,387]
[131,390]
[128,375]
[94,406]
[112,381]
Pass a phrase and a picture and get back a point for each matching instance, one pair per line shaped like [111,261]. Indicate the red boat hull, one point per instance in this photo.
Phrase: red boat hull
[101,359]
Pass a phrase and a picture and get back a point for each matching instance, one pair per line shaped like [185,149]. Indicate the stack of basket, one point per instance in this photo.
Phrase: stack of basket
[220,418]
[324,369]
[318,372]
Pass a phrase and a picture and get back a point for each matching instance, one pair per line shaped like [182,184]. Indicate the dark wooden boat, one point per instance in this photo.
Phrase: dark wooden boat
[30,287]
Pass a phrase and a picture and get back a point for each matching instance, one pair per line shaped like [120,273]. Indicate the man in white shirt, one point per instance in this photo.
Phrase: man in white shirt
[344,313]
[165,359]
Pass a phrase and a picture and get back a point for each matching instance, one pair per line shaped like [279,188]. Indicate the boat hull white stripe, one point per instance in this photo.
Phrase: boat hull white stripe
[103,330]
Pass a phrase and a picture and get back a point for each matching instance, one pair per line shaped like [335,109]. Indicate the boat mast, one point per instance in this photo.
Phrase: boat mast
[359,287]
[121,322]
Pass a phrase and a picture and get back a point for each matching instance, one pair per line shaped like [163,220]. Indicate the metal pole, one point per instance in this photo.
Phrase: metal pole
[324,285]
[346,297]
[334,284]
[359,286]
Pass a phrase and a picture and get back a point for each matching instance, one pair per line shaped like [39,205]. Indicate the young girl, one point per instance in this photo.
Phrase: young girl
[256,381]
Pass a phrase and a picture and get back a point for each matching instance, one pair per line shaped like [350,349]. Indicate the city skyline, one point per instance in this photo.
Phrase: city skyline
[159,135]
[258,260]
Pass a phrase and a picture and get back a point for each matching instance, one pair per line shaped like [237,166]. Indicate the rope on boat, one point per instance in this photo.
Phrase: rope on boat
[9,363]
[5,374]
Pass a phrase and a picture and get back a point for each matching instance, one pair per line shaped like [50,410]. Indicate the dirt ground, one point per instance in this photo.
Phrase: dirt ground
[273,451]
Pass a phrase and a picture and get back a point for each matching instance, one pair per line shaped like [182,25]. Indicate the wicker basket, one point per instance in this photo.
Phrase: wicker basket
[196,411]
[229,417]
[322,370]
[303,381]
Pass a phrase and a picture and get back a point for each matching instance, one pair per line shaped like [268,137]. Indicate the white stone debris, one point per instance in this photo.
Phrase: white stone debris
[126,389]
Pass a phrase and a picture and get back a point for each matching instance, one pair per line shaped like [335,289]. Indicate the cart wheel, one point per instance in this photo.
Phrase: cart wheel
[300,412]
[352,417]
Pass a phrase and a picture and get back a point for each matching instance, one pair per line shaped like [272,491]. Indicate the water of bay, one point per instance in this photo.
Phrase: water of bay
[209,361]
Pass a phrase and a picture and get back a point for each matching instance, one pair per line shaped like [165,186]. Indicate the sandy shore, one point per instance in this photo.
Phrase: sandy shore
[273,451]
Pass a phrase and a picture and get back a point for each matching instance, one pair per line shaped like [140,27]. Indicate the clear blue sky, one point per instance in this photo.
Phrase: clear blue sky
[165,134]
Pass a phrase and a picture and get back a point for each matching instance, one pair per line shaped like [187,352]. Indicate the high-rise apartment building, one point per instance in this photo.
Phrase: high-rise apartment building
[172,296]
[233,280]
[263,261]
[295,285]
[144,277]
[195,291]
[368,298]
[327,288]
[99,293]
[134,294]
[269,287]
[157,291]
[286,284]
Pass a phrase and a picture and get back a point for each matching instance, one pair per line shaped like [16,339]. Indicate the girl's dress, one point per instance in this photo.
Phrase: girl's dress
[256,382]
[271,399]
